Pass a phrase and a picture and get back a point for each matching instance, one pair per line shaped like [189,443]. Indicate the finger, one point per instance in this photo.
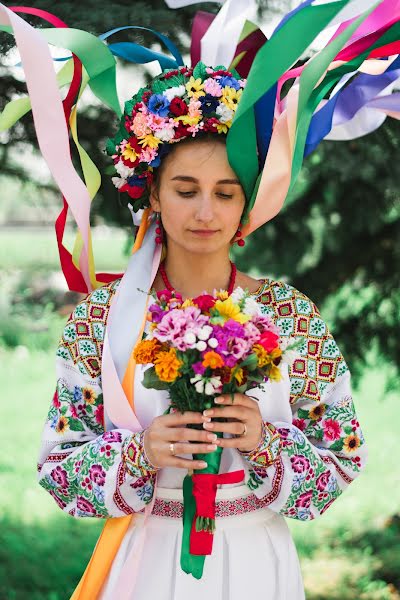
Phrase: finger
[235,427]
[183,463]
[183,434]
[243,413]
[238,399]
[178,418]
[193,448]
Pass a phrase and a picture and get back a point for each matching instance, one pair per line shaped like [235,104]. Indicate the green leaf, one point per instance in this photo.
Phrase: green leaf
[250,362]
[337,445]
[200,71]
[303,414]
[151,380]
[75,425]
[348,429]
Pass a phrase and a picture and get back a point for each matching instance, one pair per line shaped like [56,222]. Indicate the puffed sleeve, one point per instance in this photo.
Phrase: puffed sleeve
[301,467]
[88,471]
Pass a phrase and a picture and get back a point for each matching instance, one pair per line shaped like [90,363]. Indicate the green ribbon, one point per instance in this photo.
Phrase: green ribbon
[194,563]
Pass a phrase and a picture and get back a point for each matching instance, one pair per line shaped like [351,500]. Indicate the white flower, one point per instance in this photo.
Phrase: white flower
[204,332]
[178,90]
[237,295]
[165,134]
[118,182]
[123,170]
[201,345]
[225,114]
[213,342]
[213,385]
[251,307]
[190,338]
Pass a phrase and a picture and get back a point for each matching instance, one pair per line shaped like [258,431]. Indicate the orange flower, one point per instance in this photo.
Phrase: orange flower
[212,359]
[62,424]
[351,443]
[262,355]
[146,351]
[167,365]
[317,411]
[89,395]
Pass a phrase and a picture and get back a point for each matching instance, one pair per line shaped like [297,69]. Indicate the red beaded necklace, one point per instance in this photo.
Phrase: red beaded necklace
[169,287]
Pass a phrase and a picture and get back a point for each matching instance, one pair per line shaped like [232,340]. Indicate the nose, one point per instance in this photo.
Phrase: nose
[205,208]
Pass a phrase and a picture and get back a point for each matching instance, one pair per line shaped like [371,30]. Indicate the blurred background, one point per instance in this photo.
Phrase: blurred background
[336,240]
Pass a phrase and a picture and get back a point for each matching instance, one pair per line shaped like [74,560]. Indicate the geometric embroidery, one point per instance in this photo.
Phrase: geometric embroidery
[321,361]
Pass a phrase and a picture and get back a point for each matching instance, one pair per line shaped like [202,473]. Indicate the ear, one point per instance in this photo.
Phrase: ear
[154,199]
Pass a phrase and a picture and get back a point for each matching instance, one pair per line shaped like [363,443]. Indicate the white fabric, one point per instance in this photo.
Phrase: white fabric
[253,557]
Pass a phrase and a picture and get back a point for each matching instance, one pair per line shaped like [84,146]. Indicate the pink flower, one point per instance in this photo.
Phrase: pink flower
[140,126]
[299,463]
[252,332]
[156,122]
[176,323]
[331,429]
[304,500]
[194,107]
[99,414]
[56,401]
[322,481]
[59,475]
[148,155]
[300,424]
[211,86]
[265,323]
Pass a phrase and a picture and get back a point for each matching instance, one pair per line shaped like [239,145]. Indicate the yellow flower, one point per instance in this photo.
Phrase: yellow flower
[89,395]
[149,140]
[146,351]
[230,97]
[239,375]
[262,355]
[212,359]
[194,87]
[188,302]
[227,309]
[222,295]
[188,120]
[62,425]
[130,153]
[223,127]
[351,443]
[275,373]
[317,412]
[167,365]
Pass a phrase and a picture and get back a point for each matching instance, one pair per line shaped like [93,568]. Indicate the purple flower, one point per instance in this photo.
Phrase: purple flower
[85,506]
[233,343]
[198,368]
[157,313]
[97,474]
[299,463]
[159,105]
[208,104]
[304,500]
[112,436]
[60,476]
[265,323]
[229,81]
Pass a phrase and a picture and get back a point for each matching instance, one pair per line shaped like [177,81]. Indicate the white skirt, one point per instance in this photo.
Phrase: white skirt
[253,556]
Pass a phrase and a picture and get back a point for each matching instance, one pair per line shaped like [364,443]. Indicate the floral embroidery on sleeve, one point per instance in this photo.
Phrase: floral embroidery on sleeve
[81,465]
[267,451]
[323,449]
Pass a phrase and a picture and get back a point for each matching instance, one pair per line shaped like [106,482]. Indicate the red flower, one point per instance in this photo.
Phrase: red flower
[211,124]
[181,131]
[322,481]
[331,430]
[178,107]
[268,340]
[99,414]
[134,191]
[205,302]
[304,500]
[56,401]
[166,295]
[300,424]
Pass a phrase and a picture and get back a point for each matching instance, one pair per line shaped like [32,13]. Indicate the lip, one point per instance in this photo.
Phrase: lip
[204,232]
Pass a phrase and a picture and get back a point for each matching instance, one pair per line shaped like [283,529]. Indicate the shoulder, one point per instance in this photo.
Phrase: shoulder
[81,341]
[320,361]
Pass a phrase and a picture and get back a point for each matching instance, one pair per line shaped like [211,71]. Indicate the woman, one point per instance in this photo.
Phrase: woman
[92,467]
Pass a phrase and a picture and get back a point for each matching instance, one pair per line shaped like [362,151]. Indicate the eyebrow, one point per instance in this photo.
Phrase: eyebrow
[194,180]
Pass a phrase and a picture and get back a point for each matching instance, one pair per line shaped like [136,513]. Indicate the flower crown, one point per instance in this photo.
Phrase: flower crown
[178,104]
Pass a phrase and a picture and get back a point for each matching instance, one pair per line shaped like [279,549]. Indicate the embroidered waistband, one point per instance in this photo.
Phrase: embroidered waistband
[232,501]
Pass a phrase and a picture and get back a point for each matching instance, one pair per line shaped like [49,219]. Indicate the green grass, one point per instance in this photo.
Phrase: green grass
[350,552]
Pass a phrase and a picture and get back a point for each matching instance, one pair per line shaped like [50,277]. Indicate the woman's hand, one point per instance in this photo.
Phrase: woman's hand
[172,428]
[242,411]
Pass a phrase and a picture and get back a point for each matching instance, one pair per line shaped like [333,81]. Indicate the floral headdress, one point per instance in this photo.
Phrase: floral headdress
[178,104]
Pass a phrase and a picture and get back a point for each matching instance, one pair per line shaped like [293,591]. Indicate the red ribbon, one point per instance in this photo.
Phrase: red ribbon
[204,492]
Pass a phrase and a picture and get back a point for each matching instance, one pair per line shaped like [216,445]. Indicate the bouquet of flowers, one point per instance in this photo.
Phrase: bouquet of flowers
[200,348]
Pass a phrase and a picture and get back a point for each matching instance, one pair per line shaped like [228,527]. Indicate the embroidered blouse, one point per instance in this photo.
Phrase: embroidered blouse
[311,449]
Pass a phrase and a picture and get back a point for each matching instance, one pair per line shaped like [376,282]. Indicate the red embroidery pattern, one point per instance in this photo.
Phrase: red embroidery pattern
[344,476]
[118,499]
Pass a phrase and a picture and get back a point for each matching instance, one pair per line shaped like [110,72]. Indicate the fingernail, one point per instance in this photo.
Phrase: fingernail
[218,400]
[208,425]
[207,413]
[207,419]
[212,437]
[211,447]
[203,465]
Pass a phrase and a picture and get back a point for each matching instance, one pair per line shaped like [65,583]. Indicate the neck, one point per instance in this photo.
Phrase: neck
[192,274]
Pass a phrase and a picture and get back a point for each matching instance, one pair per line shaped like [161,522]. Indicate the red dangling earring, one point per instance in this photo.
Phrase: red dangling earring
[240,242]
[159,236]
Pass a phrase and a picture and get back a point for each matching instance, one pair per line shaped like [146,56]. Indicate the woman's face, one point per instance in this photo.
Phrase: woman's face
[200,198]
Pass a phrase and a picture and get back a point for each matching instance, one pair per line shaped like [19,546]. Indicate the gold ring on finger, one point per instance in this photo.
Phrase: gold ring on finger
[171,448]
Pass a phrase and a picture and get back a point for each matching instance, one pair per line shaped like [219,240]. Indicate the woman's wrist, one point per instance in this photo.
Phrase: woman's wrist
[135,457]
[267,450]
